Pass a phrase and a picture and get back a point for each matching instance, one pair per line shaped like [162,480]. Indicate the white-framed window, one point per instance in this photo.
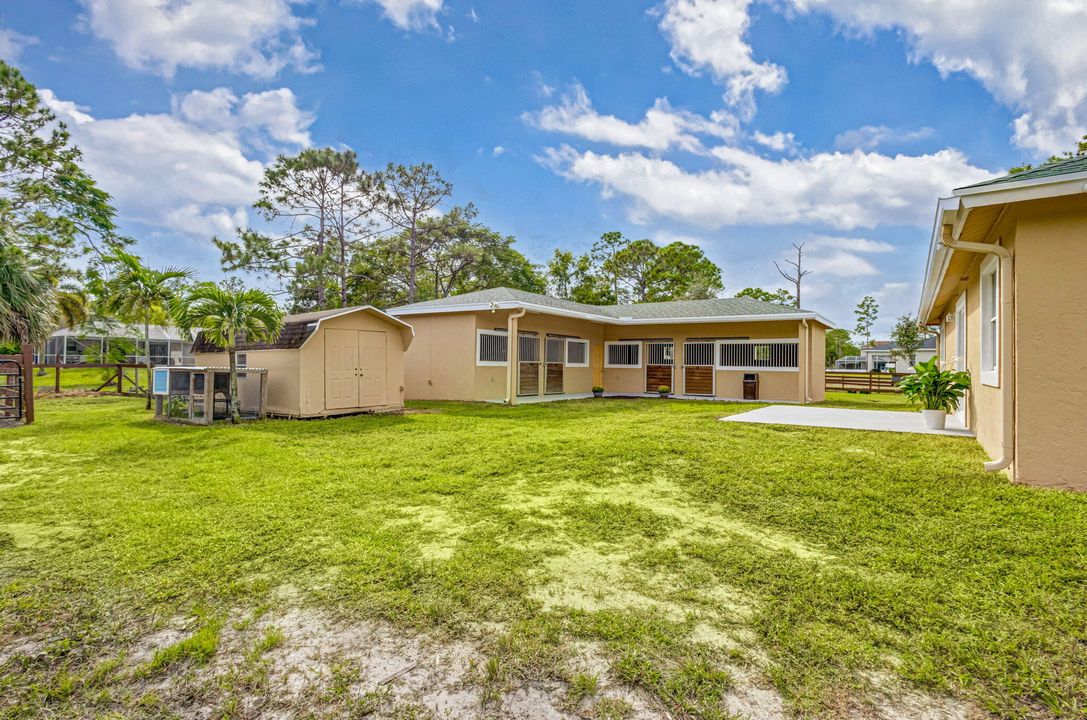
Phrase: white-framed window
[990,321]
[758,354]
[960,332]
[241,360]
[556,350]
[577,353]
[492,347]
[660,353]
[623,354]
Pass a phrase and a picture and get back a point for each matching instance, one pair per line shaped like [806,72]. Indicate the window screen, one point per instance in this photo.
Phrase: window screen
[556,350]
[577,353]
[659,353]
[492,347]
[529,349]
[698,353]
[624,354]
[757,355]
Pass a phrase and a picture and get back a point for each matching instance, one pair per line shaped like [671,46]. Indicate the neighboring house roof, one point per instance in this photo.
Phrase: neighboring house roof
[1049,170]
[109,329]
[713,310]
[927,343]
[297,329]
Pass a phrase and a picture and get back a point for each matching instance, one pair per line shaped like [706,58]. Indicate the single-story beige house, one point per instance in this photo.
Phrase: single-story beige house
[1006,286]
[698,348]
[329,362]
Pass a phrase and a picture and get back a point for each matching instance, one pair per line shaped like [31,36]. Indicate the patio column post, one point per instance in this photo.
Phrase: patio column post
[513,348]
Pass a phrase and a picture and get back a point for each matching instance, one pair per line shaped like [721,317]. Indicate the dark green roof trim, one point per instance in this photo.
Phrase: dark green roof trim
[1042,172]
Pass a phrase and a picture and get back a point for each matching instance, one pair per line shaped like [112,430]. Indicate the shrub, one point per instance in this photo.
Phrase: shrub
[935,389]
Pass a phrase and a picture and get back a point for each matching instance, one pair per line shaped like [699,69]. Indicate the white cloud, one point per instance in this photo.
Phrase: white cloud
[662,128]
[1028,55]
[711,35]
[840,257]
[13,43]
[252,37]
[498,150]
[838,190]
[870,137]
[412,14]
[779,141]
[193,170]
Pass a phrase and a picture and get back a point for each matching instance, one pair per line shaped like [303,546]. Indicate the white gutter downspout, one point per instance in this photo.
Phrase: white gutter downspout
[807,361]
[512,349]
[1007,302]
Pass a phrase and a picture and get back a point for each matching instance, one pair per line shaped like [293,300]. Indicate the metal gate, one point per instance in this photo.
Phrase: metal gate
[659,360]
[553,372]
[11,390]
[528,365]
[698,368]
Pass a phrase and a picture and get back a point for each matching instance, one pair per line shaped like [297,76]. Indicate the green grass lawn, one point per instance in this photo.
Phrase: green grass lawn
[869,401]
[153,570]
[83,379]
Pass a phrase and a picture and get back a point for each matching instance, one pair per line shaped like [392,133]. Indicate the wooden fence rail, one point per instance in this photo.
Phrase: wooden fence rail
[866,382]
[117,378]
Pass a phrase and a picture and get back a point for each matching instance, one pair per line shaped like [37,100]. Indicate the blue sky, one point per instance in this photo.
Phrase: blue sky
[743,126]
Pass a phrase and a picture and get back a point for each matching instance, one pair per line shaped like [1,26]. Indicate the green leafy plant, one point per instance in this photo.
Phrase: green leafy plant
[664,389]
[597,389]
[935,389]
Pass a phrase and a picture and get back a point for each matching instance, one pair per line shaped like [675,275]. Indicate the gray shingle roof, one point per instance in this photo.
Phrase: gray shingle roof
[1064,167]
[675,310]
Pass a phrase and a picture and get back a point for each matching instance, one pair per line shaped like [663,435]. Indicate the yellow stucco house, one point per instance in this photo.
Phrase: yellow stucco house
[698,348]
[1006,287]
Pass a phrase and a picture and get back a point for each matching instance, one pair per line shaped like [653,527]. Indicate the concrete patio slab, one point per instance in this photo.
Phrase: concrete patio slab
[880,420]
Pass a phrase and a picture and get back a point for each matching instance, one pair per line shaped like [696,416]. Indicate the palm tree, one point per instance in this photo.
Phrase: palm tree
[26,299]
[227,315]
[72,310]
[136,293]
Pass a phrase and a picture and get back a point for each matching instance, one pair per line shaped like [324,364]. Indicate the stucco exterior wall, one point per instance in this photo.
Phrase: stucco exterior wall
[1051,344]
[440,362]
[312,363]
[774,385]
[490,381]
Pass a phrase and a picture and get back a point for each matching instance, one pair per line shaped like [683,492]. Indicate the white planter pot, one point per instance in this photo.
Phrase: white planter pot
[934,419]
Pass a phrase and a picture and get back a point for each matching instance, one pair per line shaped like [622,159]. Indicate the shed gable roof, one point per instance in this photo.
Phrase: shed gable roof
[296,330]
[1048,170]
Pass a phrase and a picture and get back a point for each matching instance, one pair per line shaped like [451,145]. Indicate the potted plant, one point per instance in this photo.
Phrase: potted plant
[937,391]
[664,391]
[598,391]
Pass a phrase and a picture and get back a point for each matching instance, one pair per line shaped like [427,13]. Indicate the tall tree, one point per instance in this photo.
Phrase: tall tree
[839,345]
[630,269]
[136,293]
[560,273]
[798,273]
[867,313]
[27,310]
[326,205]
[413,192]
[52,209]
[603,256]
[906,335]
[778,297]
[683,272]
[226,315]
[589,286]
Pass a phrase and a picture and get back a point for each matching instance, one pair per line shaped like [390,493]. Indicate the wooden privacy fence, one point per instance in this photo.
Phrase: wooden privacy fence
[867,382]
[123,378]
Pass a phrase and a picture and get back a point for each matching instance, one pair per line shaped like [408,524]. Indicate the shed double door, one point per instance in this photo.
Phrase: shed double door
[698,368]
[355,368]
[528,365]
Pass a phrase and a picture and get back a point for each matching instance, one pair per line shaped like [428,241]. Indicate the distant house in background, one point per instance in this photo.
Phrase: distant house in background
[92,342]
[880,357]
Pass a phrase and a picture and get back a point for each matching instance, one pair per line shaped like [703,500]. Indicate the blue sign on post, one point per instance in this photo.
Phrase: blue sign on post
[160,385]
